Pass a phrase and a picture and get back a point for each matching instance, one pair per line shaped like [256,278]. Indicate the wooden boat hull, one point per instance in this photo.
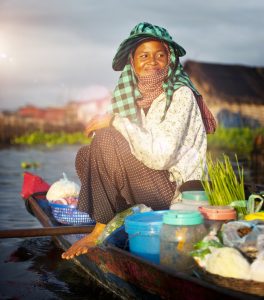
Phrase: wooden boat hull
[131,277]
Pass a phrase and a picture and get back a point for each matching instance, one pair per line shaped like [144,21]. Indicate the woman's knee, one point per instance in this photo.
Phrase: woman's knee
[106,137]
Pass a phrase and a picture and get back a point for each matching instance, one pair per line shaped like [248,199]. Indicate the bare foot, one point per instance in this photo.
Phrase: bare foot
[82,246]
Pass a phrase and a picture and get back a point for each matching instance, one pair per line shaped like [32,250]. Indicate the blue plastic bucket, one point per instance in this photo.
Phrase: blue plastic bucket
[143,231]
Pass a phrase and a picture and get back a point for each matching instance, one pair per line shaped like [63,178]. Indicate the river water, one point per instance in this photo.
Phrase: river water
[31,268]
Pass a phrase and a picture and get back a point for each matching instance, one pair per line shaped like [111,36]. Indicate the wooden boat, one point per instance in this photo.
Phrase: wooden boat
[131,277]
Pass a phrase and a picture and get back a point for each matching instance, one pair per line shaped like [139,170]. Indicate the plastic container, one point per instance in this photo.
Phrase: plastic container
[191,200]
[179,232]
[143,231]
[216,216]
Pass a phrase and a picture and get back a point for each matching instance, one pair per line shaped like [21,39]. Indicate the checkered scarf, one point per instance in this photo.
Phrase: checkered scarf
[127,92]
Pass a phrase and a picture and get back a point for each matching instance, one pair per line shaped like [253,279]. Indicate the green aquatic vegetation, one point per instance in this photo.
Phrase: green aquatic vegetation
[239,140]
[30,165]
[51,139]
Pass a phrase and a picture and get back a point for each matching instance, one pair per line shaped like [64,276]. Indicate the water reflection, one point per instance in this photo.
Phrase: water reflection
[35,270]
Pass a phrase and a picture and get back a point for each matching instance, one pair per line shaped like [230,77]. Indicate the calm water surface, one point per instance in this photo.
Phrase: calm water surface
[31,268]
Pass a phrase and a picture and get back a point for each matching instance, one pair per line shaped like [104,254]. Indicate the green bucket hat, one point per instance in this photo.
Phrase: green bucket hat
[142,31]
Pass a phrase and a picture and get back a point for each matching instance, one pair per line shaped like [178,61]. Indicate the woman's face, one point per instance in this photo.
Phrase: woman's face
[149,57]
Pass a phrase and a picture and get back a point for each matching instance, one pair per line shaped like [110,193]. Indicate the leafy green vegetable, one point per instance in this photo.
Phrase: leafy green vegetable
[202,248]
[206,244]
[200,253]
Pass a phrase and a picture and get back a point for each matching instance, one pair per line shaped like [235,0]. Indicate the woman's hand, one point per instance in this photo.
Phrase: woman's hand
[98,122]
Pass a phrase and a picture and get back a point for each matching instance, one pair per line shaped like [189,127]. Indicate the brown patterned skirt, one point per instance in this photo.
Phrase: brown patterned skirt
[112,179]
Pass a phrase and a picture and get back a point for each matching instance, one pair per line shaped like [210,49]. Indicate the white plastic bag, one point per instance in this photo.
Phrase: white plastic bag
[247,243]
[62,189]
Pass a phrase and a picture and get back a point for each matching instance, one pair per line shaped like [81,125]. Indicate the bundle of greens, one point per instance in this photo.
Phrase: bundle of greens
[223,187]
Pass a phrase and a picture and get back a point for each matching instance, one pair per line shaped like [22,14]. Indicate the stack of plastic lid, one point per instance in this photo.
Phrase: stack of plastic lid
[215,216]
[191,200]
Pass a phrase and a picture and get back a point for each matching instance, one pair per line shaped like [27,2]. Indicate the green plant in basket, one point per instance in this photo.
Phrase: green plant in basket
[224,186]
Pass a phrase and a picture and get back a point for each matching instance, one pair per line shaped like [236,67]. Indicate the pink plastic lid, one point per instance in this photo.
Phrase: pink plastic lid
[211,212]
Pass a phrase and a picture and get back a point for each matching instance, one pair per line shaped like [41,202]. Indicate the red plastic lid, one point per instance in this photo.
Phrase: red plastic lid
[211,212]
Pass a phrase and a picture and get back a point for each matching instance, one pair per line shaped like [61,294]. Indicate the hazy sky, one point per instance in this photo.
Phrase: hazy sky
[52,51]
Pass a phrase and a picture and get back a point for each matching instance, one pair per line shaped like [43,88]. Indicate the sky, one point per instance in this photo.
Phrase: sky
[54,51]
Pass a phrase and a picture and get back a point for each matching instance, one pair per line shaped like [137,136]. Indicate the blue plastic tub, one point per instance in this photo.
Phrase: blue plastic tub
[143,232]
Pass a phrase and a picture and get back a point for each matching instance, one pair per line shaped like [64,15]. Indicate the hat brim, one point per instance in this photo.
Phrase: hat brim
[125,48]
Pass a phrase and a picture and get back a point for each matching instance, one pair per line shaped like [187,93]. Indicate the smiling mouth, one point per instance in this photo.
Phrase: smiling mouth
[151,70]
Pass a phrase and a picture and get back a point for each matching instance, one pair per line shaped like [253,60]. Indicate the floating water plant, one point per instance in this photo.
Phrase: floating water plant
[51,139]
[29,165]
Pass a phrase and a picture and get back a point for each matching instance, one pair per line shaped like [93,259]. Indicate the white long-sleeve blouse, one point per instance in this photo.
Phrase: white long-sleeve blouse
[177,144]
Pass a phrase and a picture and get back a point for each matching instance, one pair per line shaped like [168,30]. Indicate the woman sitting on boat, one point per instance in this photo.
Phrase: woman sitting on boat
[152,142]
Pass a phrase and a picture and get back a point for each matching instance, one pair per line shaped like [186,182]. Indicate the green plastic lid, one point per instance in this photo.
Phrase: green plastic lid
[183,217]
[195,195]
